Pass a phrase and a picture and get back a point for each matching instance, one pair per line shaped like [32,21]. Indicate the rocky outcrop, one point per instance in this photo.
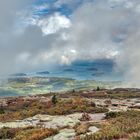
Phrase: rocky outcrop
[65,134]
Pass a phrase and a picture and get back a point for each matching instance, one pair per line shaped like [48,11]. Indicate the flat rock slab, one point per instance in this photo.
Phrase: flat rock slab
[17,124]
[46,121]
[54,122]
[93,129]
[61,121]
[97,117]
[64,134]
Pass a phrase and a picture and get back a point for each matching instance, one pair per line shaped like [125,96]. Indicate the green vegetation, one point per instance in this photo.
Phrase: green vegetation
[35,134]
[73,105]
[110,115]
[54,99]
[98,88]
[2,111]
[135,138]
[8,133]
[28,133]
[104,94]
[116,125]
[43,85]
[23,109]
[124,95]
[122,126]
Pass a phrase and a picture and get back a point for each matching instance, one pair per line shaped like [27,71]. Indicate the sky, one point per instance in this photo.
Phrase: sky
[40,34]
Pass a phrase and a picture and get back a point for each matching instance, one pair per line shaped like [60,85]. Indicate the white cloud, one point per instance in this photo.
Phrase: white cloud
[41,7]
[59,3]
[96,30]
[70,3]
[65,60]
[54,23]
[137,9]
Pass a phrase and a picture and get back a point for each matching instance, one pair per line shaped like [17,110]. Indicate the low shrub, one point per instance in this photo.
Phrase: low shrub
[2,111]
[122,126]
[35,134]
[111,115]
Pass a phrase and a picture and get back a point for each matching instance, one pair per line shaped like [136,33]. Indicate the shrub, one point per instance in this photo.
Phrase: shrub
[98,88]
[135,138]
[35,134]
[54,99]
[122,126]
[8,133]
[85,117]
[2,111]
[111,115]
[81,129]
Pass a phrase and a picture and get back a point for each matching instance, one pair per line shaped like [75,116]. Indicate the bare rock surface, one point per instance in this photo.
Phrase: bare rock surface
[64,134]
[97,117]
[93,129]
[48,121]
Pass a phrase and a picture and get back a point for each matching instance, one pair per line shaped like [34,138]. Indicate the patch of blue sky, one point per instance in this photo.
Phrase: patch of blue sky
[65,8]
[41,12]
[40,2]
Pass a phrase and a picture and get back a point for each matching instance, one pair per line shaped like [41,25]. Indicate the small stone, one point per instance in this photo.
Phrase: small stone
[93,129]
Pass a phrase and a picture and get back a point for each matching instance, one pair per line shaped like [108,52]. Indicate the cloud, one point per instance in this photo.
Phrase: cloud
[69,3]
[128,61]
[53,23]
[96,30]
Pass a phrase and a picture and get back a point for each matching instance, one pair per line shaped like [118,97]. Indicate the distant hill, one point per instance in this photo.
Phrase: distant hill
[19,74]
[42,85]
[43,72]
